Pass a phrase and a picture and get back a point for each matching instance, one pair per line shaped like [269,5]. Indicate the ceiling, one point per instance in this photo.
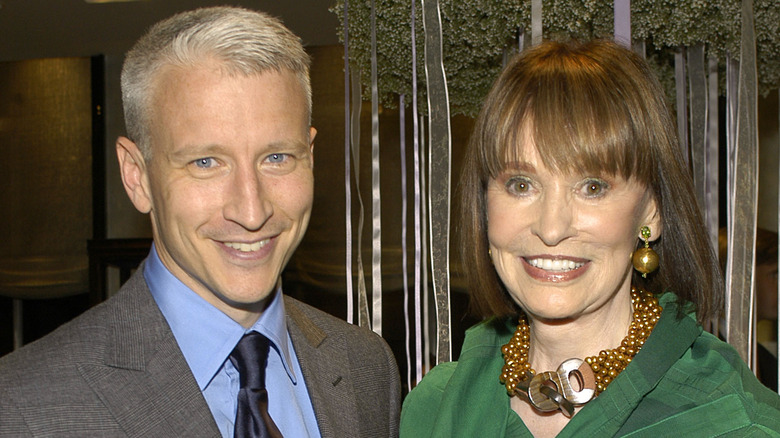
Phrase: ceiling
[55,28]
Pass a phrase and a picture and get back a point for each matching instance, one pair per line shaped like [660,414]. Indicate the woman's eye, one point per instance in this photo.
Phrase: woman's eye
[594,187]
[518,185]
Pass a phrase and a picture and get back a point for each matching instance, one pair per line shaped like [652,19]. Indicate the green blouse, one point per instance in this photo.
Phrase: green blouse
[684,381]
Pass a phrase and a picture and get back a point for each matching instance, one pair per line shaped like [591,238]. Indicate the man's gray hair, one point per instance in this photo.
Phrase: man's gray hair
[245,42]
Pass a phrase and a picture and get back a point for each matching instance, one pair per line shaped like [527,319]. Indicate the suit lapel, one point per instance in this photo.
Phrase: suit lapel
[144,380]
[326,370]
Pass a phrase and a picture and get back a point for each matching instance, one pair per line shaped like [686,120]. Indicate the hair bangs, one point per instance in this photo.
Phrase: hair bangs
[579,118]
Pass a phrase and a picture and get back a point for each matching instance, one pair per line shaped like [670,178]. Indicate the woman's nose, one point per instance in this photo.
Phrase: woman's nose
[554,221]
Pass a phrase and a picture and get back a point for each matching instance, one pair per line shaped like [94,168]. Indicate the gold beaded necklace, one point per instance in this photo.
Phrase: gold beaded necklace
[553,390]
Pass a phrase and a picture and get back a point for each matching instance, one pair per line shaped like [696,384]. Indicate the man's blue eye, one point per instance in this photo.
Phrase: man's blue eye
[277,158]
[204,163]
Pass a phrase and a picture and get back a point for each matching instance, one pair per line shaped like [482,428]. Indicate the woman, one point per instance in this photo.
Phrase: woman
[574,165]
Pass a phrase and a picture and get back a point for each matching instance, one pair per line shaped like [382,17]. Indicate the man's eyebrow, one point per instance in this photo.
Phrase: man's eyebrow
[197,150]
[204,150]
[287,145]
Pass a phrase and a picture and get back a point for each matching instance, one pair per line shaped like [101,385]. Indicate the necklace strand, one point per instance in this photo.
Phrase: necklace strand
[606,366]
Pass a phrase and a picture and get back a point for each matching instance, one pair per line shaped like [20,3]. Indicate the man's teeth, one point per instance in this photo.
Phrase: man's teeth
[554,265]
[246,247]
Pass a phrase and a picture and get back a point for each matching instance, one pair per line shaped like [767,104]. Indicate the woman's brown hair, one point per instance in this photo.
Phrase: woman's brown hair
[591,107]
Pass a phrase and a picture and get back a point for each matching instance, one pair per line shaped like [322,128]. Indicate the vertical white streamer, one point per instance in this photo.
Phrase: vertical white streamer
[428,328]
[622,22]
[732,100]
[711,171]
[376,210]
[347,173]
[404,270]
[439,165]
[732,94]
[357,104]
[743,230]
[426,320]
[712,154]
[520,40]
[697,91]
[417,207]
[536,22]
[682,107]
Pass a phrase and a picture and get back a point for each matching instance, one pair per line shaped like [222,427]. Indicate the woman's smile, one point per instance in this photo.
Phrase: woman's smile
[554,269]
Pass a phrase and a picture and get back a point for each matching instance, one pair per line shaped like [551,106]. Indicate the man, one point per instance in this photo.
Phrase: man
[220,154]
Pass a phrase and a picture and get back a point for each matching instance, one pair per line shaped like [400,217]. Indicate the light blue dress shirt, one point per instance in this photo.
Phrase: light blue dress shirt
[206,337]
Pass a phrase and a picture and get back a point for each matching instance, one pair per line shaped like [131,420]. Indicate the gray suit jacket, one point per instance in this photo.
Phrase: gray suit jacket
[117,370]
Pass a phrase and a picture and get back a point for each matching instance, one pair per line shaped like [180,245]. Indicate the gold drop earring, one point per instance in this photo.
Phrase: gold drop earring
[645,260]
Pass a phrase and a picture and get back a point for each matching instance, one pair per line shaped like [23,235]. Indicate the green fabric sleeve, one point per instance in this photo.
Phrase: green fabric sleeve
[421,405]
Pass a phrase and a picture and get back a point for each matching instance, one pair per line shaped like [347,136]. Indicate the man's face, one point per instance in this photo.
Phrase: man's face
[229,186]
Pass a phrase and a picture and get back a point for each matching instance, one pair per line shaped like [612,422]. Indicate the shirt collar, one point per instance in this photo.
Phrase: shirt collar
[206,335]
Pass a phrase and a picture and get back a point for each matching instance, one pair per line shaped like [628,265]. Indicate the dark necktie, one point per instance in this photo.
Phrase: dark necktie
[252,418]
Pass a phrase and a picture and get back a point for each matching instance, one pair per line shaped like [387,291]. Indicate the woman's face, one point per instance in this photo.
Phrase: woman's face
[562,243]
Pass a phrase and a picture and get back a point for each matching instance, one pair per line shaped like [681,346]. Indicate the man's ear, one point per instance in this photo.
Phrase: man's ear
[312,134]
[134,173]
[653,221]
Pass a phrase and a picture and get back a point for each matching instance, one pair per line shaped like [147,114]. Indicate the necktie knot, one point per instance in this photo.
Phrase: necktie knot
[250,357]
[252,417]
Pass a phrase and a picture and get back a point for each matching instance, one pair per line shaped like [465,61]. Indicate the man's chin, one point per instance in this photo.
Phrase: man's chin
[250,302]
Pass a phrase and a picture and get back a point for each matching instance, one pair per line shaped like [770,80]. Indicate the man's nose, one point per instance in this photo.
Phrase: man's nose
[246,201]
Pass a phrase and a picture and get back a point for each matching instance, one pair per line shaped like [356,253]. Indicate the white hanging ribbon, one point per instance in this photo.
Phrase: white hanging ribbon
[732,100]
[520,40]
[536,22]
[622,19]
[703,86]
[732,94]
[347,172]
[712,155]
[376,198]
[428,328]
[697,88]
[439,173]
[418,255]
[742,230]
[404,270]
[357,102]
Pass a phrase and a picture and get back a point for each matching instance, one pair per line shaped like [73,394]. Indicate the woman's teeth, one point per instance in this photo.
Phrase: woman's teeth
[554,265]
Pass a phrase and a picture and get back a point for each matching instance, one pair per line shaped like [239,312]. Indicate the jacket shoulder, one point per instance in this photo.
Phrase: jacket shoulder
[317,325]
[351,373]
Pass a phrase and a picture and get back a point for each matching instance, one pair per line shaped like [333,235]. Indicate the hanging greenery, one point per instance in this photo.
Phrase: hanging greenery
[479,34]
[768,44]
[475,35]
